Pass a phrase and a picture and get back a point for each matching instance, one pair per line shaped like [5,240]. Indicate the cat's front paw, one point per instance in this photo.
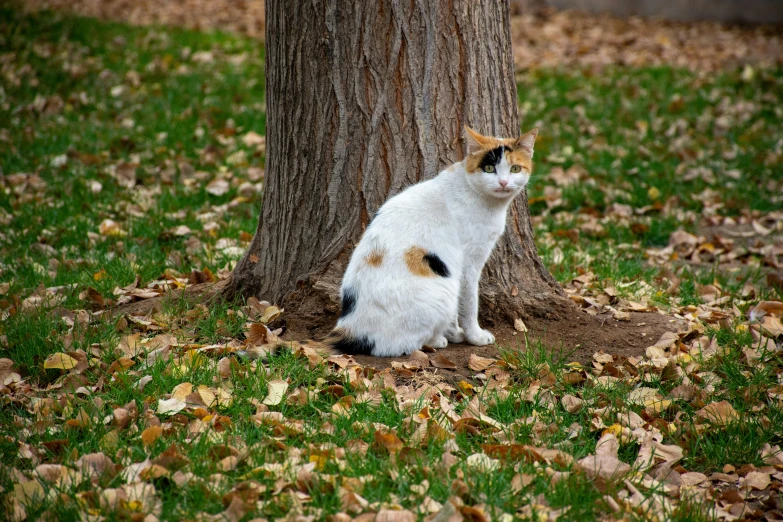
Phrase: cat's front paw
[480,337]
[437,342]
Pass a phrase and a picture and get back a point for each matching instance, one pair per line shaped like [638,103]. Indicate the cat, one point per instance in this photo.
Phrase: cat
[413,278]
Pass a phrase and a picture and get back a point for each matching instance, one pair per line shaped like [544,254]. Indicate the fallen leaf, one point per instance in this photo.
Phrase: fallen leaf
[440,361]
[757,480]
[479,364]
[60,361]
[181,391]
[96,464]
[276,392]
[395,515]
[420,359]
[218,187]
[151,434]
[482,462]
[771,326]
[253,139]
[604,466]
[571,403]
[170,406]
[388,441]
[718,413]
[110,228]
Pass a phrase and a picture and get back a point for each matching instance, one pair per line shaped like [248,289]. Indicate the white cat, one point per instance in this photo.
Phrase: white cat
[413,278]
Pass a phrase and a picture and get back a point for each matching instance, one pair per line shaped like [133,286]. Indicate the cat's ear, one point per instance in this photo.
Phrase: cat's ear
[526,142]
[475,141]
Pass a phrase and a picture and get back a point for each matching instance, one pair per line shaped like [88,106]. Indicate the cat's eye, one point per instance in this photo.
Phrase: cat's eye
[489,168]
[516,169]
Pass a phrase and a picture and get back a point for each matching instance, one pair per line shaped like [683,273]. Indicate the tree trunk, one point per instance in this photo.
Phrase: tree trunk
[365,99]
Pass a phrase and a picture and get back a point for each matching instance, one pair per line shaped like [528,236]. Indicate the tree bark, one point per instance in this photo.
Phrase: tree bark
[365,99]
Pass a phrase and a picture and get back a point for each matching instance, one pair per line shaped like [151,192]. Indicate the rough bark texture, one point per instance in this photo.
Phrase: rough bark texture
[365,99]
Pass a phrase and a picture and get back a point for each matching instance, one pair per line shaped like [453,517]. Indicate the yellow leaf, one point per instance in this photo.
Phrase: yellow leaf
[98,276]
[465,387]
[207,395]
[654,407]
[276,389]
[60,361]
[614,429]
[181,391]
[320,460]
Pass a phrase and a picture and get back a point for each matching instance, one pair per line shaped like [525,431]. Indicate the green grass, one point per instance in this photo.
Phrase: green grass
[81,98]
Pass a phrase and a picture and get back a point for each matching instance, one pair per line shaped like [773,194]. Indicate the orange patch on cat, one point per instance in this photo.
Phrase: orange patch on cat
[414,259]
[518,157]
[472,163]
[375,258]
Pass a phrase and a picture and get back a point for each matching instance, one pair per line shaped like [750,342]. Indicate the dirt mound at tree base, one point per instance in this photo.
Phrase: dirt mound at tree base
[576,339]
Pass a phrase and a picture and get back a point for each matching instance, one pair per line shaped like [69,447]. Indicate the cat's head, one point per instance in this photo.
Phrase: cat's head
[498,167]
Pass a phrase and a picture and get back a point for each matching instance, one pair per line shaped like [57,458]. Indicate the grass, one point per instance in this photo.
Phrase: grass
[87,105]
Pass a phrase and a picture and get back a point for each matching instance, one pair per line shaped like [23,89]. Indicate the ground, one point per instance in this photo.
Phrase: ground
[133,170]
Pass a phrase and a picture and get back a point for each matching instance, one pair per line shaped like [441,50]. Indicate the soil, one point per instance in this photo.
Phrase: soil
[573,340]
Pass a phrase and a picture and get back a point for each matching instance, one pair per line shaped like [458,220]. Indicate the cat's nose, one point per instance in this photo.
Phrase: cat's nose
[503,182]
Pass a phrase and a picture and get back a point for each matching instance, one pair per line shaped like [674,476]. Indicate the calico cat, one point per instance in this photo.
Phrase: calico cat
[413,278]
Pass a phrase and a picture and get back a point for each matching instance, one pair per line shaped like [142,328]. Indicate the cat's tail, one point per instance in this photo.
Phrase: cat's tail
[343,341]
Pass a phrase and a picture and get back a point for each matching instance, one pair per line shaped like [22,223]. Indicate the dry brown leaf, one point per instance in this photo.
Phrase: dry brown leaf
[218,187]
[396,515]
[130,345]
[387,441]
[258,334]
[771,326]
[693,478]
[757,480]
[519,325]
[772,455]
[96,465]
[229,463]
[606,467]
[571,403]
[420,359]
[151,434]
[506,452]
[766,308]
[718,413]
[479,364]
[440,361]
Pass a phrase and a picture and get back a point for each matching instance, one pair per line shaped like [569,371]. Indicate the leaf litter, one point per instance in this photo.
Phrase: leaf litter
[170,400]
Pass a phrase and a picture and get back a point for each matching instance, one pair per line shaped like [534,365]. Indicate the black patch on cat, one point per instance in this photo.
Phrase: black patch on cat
[349,301]
[493,157]
[437,265]
[351,346]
